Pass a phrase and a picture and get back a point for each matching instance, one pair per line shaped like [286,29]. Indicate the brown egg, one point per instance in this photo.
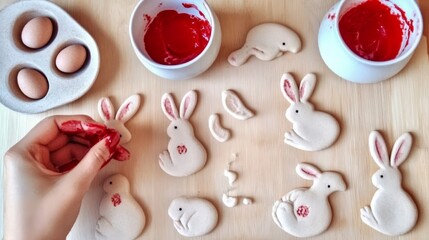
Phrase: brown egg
[71,58]
[32,83]
[37,32]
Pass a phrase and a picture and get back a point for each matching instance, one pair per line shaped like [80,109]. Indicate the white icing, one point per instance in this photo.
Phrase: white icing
[193,217]
[247,201]
[125,112]
[231,175]
[312,130]
[229,201]
[121,217]
[218,132]
[392,211]
[266,41]
[185,155]
[234,106]
[306,212]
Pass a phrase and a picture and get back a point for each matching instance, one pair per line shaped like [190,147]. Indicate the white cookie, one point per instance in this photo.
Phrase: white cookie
[235,106]
[125,112]
[193,217]
[266,41]
[185,155]
[306,212]
[312,130]
[121,217]
[392,211]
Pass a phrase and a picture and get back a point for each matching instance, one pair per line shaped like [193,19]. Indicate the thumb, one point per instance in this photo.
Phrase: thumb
[100,154]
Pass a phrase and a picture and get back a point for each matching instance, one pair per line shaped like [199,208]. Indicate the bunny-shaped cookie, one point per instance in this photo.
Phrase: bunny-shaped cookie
[312,130]
[125,113]
[185,154]
[121,217]
[307,212]
[392,211]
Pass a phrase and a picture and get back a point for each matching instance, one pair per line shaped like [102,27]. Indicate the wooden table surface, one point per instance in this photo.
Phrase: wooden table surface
[266,165]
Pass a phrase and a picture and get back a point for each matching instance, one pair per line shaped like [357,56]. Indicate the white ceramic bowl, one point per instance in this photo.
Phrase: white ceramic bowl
[346,64]
[190,69]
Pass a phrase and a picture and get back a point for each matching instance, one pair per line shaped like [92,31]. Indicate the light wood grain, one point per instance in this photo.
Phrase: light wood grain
[265,164]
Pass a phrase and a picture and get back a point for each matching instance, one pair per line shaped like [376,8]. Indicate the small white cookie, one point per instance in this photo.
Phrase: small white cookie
[121,217]
[392,211]
[185,155]
[306,212]
[234,106]
[266,41]
[193,217]
[312,130]
[218,132]
[125,112]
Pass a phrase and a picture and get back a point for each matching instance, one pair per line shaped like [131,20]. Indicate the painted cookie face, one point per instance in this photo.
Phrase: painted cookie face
[193,217]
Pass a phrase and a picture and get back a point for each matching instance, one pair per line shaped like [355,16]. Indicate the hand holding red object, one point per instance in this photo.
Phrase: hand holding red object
[47,173]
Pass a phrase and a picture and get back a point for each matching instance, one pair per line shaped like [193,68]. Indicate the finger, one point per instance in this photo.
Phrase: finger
[48,129]
[68,153]
[60,141]
[83,174]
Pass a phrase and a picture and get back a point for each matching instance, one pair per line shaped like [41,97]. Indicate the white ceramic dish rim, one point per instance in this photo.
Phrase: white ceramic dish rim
[380,63]
[211,20]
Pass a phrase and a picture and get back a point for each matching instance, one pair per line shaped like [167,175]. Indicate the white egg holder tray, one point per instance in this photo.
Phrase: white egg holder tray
[14,55]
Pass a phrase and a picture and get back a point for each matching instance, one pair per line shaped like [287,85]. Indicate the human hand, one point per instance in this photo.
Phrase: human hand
[47,173]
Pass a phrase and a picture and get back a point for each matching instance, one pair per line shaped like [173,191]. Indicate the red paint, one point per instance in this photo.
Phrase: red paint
[190,5]
[124,111]
[116,199]
[89,134]
[331,16]
[181,149]
[372,31]
[105,108]
[302,211]
[174,38]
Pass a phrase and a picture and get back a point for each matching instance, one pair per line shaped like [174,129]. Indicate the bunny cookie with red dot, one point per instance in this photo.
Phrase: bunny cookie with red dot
[307,212]
[185,155]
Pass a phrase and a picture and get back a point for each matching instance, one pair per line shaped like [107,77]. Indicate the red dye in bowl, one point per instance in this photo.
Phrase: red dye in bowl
[174,38]
[372,31]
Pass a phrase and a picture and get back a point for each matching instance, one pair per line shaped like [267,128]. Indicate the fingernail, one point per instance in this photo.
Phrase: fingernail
[93,128]
[112,141]
[72,126]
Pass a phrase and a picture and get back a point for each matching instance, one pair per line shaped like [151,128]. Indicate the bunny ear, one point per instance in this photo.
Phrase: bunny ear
[105,109]
[128,108]
[401,149]
[307,171]
[307,86]
[378,150]
[188,104]
[289,88]
[169,107]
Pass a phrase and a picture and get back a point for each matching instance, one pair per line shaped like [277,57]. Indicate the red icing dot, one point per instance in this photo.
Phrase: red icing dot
[181,149]
[302,211]
[116,199]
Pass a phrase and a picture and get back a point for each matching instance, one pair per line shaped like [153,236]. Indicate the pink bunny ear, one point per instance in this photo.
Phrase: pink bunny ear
[128,109]
[169,107]
[307,86]
[188,104]
[401,149]
[105,109]
[289,88]
[307,171]
[378,150]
